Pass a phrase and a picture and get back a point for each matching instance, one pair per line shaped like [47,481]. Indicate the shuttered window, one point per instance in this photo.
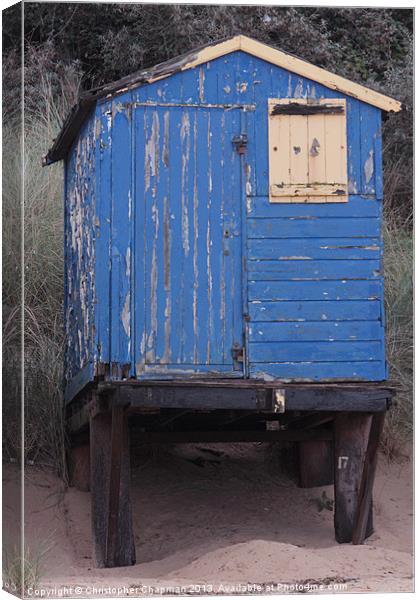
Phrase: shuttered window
[307,150]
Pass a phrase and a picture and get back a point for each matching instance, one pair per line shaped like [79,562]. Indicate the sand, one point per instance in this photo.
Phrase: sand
[224,522]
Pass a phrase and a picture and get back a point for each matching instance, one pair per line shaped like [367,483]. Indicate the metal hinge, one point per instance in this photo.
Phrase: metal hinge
[240,142]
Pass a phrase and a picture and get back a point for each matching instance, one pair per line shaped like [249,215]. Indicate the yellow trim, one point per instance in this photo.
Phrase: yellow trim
[295,65]
[301,177]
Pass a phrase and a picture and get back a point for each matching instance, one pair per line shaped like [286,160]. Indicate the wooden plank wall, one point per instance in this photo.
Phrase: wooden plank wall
[314,281]
[79,257]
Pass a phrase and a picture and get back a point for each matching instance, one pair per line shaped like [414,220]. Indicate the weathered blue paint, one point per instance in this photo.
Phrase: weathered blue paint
[174,253]
[79,258]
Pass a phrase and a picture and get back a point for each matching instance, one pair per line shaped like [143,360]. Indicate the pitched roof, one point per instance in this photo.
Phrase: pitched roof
[202,55]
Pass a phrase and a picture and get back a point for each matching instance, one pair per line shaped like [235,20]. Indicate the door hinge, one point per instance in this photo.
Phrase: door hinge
[240,142]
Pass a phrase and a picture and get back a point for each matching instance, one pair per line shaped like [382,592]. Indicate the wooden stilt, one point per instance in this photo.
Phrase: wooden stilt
[316,463]
[113,540]
[364,505]
[79,467]
[351,433]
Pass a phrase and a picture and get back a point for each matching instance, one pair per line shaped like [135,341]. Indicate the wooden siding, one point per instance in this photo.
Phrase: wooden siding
[318,266]
[79,258]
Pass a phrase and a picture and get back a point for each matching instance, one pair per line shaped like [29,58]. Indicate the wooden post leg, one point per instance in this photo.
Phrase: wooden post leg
[113,540]
[351,433]
[364,506]
[316,463]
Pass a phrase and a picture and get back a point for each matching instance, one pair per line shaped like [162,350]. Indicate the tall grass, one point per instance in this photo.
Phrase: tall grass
[44,432]
[398,267]
[22,571]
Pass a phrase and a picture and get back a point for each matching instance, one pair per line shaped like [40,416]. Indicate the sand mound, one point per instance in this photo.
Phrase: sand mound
[228,516]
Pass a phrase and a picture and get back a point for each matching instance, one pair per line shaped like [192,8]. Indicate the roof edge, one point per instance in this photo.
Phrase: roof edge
[198,57]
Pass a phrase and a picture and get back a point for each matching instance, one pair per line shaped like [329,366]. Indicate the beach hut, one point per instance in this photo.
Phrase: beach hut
[223,256]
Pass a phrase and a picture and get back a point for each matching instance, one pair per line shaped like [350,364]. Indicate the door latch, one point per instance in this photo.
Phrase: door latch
[240,142]
[237,352]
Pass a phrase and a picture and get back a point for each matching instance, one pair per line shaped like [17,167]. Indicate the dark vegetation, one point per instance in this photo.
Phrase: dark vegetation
[69,47]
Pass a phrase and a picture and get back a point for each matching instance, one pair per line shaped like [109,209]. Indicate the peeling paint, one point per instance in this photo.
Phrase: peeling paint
[151,156]
[352,186]
[128,263]
[125,315]
[143,343]
[248,181]
[368,167]
[97,128]
[241,87]
[185,140]
[201,84]
[299,89]
[153,283]
[294,258]
[130,205]
[248,203]
[195,255]
[165,151]
[289,86]
[208,247]
[167,279]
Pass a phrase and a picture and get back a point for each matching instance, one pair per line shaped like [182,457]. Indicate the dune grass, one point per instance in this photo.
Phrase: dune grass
[398,267]
[44,434]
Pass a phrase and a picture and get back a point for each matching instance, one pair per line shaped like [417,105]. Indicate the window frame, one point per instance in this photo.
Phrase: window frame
[280,113]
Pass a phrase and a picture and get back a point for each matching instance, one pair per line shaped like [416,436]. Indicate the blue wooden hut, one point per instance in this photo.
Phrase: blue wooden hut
[223,231]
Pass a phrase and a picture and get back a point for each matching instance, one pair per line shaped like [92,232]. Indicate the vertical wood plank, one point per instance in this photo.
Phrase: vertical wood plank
[201,184]
[175,226]
[233,213]
[262,83]
[112,533]
[189,220]
[377,152]
[317,149]
[362,526]
[100,436]
[336,159]
[153,217]
[103,236]
[120,549]
[368,127]
[163,240]
[279,149]
[298,149]
[316,463]
[139,206]
[353,145]
[215,234]
[121,222]
[351,431]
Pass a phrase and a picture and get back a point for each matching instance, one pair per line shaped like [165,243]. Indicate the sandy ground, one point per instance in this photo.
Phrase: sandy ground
[219,523]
